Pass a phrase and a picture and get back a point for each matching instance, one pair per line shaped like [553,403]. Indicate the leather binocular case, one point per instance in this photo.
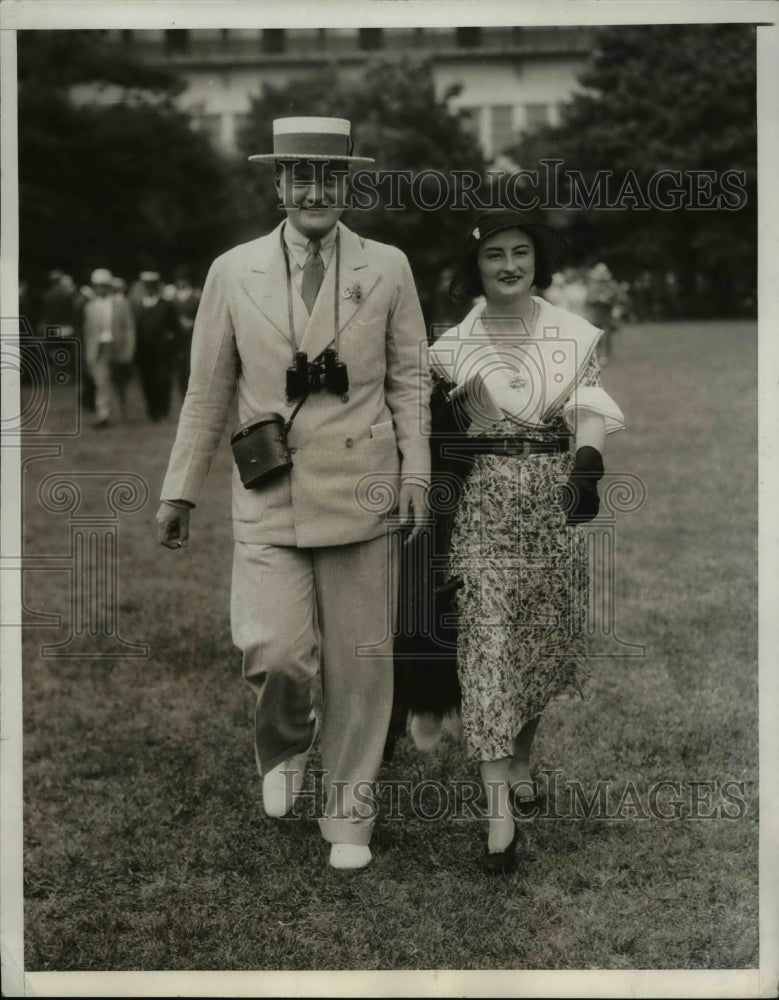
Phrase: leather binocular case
[260,450]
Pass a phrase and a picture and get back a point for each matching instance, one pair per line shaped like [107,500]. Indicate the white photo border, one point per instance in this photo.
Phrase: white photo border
[140,14]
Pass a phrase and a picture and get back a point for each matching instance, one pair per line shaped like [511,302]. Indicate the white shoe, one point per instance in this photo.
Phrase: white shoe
[283,783]
[345,856]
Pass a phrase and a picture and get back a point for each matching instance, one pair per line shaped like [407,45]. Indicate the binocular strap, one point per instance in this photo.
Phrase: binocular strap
[336,297]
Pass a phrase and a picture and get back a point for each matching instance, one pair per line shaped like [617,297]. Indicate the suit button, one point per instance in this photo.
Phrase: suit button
[349,442]
[293,450]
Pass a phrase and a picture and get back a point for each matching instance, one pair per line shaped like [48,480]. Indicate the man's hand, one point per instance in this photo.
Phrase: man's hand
[412,507]
[172,525]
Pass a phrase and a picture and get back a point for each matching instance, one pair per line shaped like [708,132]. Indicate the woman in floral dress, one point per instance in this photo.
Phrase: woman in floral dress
[525,373]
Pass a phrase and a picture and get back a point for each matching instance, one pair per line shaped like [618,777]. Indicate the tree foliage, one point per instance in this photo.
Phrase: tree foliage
[115,179]
[655,98]
[398,119]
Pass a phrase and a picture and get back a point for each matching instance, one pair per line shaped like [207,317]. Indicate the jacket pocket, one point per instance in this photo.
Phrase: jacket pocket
[385,429]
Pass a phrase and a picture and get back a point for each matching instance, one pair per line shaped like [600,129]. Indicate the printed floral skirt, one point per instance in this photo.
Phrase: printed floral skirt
[522,609]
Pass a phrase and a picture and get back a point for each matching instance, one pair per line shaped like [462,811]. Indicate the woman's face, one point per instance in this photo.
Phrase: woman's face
[507,266]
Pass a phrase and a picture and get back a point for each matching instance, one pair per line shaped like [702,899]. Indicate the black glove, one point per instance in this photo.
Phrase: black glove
[583,501]
[447,415]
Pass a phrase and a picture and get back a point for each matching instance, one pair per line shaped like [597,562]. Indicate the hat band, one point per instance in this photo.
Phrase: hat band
[311,143]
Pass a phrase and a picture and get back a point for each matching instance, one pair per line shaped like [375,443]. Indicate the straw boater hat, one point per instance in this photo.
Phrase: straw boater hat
[101,276]
[600,272]
[312,139]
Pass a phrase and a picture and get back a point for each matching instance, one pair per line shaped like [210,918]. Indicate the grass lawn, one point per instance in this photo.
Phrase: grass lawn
[145,842]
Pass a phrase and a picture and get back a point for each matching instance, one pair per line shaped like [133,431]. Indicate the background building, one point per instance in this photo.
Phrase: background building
[513,79]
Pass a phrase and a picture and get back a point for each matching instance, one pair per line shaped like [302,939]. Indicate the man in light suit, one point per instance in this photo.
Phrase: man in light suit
[108,336]
[311,572]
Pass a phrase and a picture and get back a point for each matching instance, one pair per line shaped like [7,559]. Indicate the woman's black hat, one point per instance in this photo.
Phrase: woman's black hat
[549,247]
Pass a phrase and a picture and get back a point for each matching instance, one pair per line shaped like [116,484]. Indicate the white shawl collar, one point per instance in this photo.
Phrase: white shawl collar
[526,382]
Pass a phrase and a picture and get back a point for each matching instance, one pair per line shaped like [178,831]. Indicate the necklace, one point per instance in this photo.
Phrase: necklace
[521,330]
[520,326]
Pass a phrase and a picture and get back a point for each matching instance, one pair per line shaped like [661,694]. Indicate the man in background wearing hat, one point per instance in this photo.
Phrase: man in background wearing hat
[59,306]
[108,336]
[311,574]
[185,299]
[158,338]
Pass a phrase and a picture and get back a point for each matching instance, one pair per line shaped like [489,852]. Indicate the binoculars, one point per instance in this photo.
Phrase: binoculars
[306,376]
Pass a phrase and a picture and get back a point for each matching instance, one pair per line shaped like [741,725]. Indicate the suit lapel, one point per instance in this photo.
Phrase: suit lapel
[357,279]
[265,282]
[358,276]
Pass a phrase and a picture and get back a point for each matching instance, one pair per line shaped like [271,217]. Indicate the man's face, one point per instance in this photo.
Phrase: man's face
[313,195]
[102,289]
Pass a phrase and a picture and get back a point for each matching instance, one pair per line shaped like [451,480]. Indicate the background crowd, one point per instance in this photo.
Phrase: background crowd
[102,890]
[148,337]
[139,331]
[195,202]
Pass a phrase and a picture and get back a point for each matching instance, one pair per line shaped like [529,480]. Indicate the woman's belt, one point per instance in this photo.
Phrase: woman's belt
[518,447]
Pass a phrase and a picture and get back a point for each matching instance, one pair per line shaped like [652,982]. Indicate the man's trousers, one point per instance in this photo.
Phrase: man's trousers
[100,370]
[156,377]
[291,609]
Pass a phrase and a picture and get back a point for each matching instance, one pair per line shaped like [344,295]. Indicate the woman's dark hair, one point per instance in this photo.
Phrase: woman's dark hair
[548,245]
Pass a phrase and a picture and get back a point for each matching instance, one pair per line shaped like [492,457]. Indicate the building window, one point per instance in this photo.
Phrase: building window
[536,115]
[176,41]
[468,38]
[502,133]
[273,40]
[371,38]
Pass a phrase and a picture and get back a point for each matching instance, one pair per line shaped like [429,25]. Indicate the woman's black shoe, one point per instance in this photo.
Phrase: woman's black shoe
[500,862]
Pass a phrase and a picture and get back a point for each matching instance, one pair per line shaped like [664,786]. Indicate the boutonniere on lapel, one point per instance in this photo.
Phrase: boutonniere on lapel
[354,293]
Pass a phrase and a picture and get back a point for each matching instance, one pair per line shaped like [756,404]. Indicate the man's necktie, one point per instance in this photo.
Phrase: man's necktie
[313,273]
